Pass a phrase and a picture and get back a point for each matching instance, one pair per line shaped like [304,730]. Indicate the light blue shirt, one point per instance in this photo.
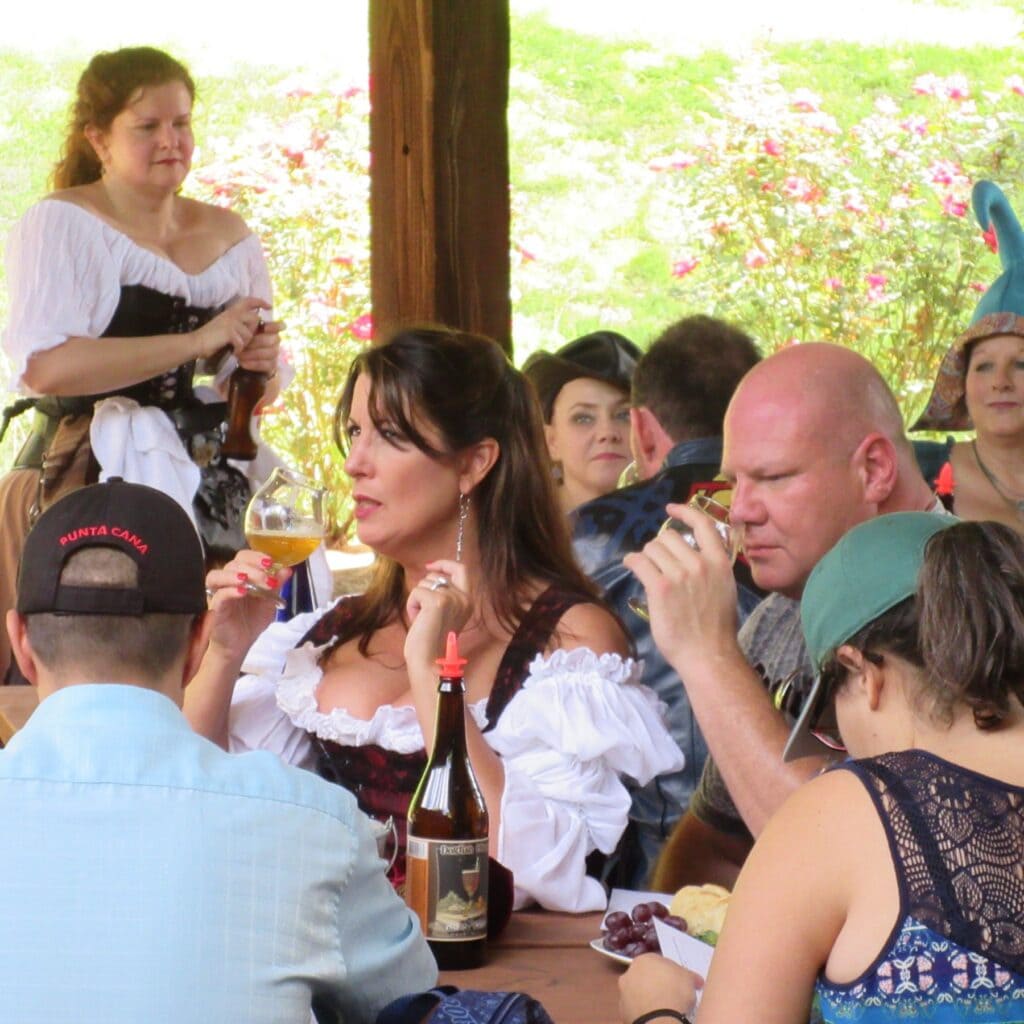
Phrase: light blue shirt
[152,878]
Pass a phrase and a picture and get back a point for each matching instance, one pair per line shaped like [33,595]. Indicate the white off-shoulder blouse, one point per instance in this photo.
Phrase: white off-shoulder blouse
[579,721]
[66,268]
[65,271]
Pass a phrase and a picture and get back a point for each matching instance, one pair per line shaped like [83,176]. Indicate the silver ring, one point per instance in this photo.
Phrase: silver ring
[441,581]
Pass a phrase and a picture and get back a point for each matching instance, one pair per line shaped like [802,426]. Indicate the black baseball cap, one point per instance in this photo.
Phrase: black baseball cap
[144,523]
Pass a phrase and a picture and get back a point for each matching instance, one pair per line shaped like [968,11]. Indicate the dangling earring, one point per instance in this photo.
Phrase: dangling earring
[461,529]
[557,473]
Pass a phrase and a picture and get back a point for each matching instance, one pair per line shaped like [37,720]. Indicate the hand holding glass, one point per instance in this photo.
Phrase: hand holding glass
[719,515]
[285,520]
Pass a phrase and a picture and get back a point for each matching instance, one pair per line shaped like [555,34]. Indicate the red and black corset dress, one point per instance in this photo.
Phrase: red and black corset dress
[383,780]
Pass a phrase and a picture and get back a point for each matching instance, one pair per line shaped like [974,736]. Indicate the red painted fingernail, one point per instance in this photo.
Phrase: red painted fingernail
[266,563]
[242,576]
[271,581]
[242,588]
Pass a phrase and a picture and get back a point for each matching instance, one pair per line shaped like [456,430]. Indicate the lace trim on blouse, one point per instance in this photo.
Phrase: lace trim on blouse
[397,727]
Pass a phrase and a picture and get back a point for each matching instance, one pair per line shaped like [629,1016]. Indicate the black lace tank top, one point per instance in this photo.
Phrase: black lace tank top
[957,841]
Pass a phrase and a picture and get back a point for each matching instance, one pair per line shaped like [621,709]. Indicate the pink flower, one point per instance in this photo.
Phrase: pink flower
[772,147]
[1015,84]
[768,186]
[822,122]
[342,261]
[977,286]
[673,162]
[525,255]
[855,204]
[953,207]
[957,87]
[876,286]
[362,327]
[915,125]
[806,101]
[991,240]
[684,266]
[927,85]
[755,258]
[680,161]
[833,284]
[798,188]
[945,172]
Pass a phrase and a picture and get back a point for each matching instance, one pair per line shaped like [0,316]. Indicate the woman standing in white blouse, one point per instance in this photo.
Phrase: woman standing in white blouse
[118,285]
[444,444]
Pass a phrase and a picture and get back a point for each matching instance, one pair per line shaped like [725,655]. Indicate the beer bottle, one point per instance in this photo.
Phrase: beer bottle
[246,388]
[446,852]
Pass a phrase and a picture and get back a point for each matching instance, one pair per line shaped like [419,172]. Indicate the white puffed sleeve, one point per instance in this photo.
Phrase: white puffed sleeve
[254,262]
[579,721]
[62,280]
[256,722]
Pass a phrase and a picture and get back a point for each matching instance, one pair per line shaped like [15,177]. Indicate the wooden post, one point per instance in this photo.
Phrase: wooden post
[439,203]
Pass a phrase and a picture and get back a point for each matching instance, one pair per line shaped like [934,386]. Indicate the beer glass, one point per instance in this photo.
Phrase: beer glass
[719,515]
[285,520]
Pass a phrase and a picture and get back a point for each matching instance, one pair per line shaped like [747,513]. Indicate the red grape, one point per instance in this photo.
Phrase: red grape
[616,920]
[633,934]
[642,913]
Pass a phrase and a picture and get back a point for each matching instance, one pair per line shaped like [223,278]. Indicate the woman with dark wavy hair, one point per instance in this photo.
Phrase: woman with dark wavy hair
[889,889]
[444,444]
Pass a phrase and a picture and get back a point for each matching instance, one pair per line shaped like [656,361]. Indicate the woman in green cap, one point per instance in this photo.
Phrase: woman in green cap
[889,888]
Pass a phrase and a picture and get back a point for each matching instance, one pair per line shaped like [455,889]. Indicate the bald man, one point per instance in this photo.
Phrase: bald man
[813,445]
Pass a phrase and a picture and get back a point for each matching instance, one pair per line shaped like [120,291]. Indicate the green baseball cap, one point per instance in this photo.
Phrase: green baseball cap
[871,569]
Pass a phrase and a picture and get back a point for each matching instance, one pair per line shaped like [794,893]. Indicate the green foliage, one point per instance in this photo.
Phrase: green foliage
[801,230]
[300,181]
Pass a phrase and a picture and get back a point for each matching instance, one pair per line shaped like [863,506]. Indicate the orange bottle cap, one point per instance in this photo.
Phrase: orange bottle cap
[451,664]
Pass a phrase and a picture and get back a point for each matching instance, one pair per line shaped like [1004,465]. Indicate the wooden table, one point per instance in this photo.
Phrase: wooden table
[548,956]
[16,704]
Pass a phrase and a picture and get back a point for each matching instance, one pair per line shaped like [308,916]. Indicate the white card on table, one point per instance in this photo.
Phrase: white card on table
[684,949]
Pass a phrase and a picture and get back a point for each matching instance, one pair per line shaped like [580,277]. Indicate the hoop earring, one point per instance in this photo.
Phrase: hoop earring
[461,528]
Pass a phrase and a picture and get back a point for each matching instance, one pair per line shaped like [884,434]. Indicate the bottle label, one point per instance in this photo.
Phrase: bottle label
[446,886]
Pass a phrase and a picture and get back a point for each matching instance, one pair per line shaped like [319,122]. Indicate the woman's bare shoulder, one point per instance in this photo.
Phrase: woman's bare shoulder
[216,220]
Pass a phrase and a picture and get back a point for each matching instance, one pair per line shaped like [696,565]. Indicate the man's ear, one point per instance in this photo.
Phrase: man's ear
[649,441]
[198,641]
[21,647]
[878,466]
